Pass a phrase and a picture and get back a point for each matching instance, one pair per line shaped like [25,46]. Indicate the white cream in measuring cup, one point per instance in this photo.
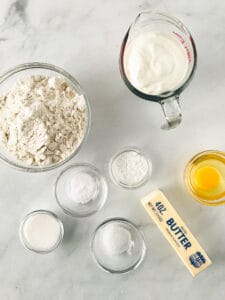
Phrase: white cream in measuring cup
[155,62]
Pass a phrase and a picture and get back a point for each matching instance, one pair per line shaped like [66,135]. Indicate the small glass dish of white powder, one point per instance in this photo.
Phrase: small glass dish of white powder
[118,246]
[81,190]
[130,168]
[41,231]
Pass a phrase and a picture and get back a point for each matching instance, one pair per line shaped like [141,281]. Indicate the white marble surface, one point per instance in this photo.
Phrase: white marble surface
[84,38]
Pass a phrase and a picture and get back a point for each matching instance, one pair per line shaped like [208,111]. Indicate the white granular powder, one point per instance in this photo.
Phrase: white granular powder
[42,119]
[130,168]
[82,188]
[116,240]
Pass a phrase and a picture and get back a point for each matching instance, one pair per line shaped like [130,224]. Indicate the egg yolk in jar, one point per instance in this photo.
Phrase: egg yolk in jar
[207,178]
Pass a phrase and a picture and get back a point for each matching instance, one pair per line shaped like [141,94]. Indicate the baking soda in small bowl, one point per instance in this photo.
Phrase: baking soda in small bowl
[81,190]
[130,168]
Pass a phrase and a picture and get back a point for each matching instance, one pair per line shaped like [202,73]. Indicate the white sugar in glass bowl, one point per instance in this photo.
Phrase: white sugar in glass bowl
[118,246]
[6,82]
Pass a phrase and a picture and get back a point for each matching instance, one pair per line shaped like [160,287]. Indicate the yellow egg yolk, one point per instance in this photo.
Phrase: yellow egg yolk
[207,178]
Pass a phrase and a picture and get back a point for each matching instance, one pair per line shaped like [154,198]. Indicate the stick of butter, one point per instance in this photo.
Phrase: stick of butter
[176,232]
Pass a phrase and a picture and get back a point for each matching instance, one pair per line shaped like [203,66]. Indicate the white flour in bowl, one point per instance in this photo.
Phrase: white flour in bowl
[42,120]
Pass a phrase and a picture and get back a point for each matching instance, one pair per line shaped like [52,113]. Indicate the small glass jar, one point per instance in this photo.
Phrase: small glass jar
[24,236]
[146,163]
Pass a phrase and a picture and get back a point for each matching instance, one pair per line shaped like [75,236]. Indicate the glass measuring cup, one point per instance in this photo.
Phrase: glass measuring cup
[161,22]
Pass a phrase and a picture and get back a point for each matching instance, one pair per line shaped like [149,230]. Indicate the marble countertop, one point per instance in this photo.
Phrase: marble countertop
[84,37]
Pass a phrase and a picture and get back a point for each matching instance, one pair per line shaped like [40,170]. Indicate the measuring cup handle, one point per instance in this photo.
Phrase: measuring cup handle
[172,112]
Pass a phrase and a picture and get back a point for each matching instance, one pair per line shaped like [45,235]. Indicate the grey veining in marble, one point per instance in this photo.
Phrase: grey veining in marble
[84,37]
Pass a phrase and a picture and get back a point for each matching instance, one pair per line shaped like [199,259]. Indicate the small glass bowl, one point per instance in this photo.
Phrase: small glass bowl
[23,239]
[117,181]
[196,192]
[124,262]
[67,204]
[36,68]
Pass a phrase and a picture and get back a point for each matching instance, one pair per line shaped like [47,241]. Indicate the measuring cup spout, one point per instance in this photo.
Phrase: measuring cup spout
[141,20]
[172,112]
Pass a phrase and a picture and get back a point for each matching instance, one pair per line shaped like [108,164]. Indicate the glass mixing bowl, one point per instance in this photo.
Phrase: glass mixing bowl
[36,68]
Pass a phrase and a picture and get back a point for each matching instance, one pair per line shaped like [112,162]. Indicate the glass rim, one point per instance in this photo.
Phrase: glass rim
[137,230]
[169,94]
[38,65]
[40,211]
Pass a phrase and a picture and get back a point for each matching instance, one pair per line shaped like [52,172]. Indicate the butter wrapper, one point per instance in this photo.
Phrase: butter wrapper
[176,232]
